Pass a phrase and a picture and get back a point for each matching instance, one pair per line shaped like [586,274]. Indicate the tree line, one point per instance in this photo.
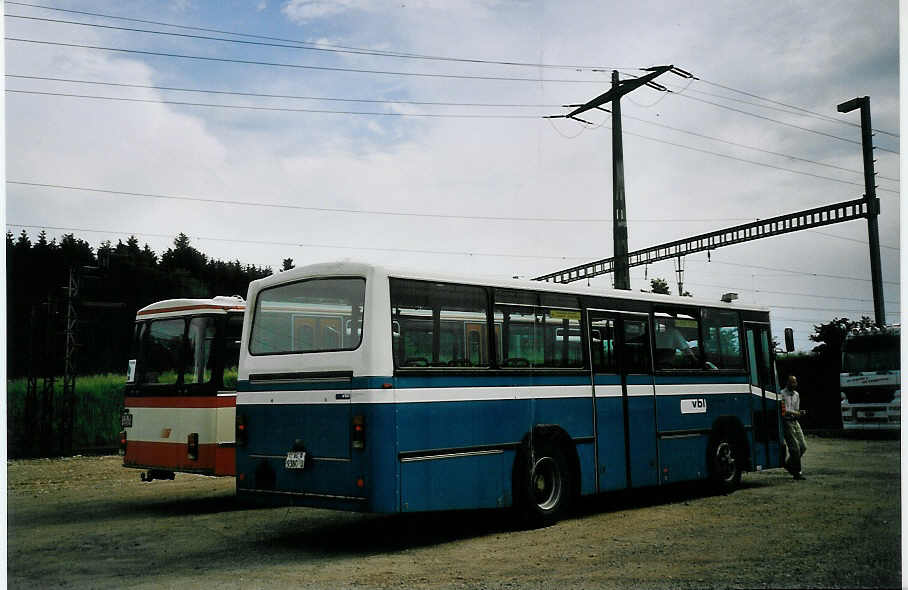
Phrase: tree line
[124,277]
[113,282]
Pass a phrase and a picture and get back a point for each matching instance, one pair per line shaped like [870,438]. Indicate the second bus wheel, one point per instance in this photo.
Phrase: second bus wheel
[725,469]
[544,484]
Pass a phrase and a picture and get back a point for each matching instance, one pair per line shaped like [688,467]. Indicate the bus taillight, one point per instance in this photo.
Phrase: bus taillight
[359,432]
[192,446]
[122,442]
[241,434]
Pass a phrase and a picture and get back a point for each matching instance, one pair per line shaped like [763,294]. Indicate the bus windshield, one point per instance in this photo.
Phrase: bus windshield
[876,352]
[171,351]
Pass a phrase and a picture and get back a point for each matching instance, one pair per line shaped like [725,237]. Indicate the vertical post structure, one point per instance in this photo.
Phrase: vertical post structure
[873,204]
[30,417]
[619,208]
[619,211]
[48,370]
[69,366]
[679,270]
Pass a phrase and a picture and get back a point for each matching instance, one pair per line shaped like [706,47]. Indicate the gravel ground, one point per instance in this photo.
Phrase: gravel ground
[88,522]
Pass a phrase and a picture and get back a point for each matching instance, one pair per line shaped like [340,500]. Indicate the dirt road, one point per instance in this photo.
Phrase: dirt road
[88,522]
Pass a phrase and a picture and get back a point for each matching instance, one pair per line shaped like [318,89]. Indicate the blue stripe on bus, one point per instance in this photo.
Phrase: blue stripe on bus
[700,378]
[607,379]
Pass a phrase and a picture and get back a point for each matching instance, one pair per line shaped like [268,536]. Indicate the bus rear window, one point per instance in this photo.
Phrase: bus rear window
[315,315]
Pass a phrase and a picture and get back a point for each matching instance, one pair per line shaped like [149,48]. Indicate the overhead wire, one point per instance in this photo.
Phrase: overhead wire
[134,194]
[284,96]
[423,115]
[411,55]
[775,292]
[757,96]
[328,47]
[750,147]
[838,237]
[418,103]
[801,111]
[297,44]
[779,122]
[273,109]
[803,273]
[300,66]
[765,165]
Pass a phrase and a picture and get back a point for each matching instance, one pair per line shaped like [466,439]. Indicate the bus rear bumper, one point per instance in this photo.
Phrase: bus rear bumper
[213,459]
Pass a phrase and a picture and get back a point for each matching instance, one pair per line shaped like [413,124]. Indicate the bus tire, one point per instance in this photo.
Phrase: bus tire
[724,463]
[544,484]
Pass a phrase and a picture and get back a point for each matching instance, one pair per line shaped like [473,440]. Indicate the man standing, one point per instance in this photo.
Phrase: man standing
[794,436]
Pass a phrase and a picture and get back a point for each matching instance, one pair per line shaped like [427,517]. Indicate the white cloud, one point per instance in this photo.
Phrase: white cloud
[301,11]
[181,5]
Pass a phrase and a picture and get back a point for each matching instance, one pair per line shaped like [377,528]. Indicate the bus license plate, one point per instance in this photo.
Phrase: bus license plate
[126,419]
[295,460]
[869,414]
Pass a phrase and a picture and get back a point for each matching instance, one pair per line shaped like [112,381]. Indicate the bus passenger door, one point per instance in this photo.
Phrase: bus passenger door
[635,363]
[608,402]
[764,410]
[625,400]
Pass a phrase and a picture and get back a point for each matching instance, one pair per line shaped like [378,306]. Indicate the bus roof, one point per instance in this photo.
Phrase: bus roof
[351,268]
[181,307]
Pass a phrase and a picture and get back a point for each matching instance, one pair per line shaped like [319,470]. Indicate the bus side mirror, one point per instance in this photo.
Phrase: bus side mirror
[789,340]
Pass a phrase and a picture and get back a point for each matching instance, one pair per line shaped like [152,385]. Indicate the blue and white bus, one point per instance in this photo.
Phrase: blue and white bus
[370,389]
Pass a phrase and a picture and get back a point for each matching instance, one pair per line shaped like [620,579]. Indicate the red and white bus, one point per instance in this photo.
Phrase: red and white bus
[180,399]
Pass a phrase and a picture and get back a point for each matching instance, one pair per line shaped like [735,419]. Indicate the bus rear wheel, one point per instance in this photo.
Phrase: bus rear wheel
[544,484]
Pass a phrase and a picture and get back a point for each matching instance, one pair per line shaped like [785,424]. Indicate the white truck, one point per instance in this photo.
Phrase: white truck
[869,381]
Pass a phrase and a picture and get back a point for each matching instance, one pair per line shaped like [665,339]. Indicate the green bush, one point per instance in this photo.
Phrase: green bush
[99,399]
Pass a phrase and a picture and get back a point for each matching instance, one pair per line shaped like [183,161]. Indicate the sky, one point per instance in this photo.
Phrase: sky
[466,188]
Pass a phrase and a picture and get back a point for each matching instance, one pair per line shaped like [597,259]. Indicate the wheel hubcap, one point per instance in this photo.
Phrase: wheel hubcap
[725,462]
[547,483]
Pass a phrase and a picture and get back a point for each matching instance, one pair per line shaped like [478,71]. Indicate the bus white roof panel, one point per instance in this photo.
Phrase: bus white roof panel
[371,271]
[179,307]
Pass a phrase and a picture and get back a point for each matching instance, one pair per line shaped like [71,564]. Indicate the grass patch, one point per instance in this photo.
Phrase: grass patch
[99,399]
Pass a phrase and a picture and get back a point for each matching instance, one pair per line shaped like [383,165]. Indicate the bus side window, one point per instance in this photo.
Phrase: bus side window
[602,335]
[636,347]
[438,325]
[722,339]
[539,337]
[677,345]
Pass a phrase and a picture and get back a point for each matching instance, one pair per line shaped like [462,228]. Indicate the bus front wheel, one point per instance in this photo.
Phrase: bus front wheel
[544,484]
[725,466]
